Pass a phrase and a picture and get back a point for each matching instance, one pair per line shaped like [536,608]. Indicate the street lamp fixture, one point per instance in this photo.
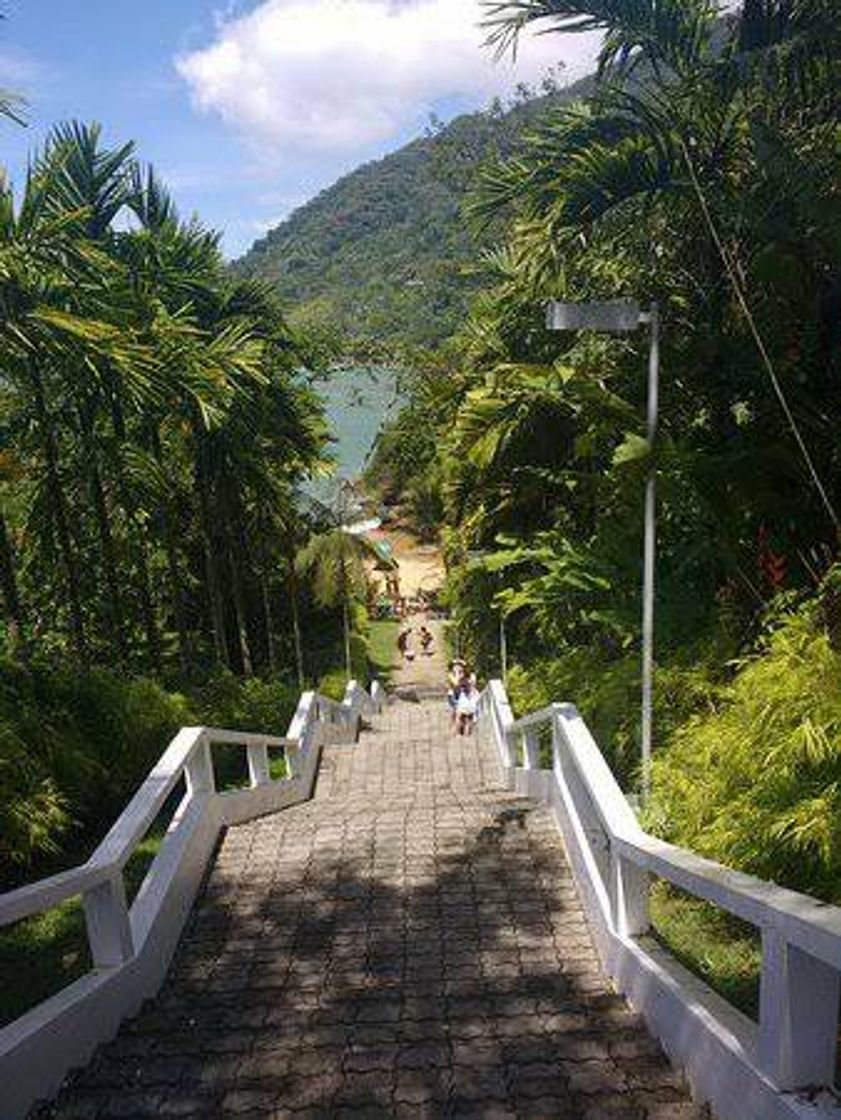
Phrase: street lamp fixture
[617,317]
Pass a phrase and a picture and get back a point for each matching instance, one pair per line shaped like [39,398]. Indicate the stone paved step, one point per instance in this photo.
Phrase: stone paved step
[409,943]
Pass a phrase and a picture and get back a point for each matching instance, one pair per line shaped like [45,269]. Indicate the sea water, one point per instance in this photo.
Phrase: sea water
[357,401]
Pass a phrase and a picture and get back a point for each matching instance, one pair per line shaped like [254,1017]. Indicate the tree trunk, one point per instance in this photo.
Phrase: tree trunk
[296,624]
[171,549]
[346,620]
[59,515]
[114,608]
[240,613]
[138,538]
[175,591]
[345,582]
[147,600]
[268,620]
[213,589]
[11,598]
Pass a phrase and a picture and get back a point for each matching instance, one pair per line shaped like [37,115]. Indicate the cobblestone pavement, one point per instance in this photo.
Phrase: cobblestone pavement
[409,943]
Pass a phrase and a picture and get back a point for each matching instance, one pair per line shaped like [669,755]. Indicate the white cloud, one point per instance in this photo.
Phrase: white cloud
[345,75]
[18,68]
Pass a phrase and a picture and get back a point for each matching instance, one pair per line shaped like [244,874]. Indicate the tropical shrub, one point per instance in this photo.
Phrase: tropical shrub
[607,693]
[74,745]
[252,705]
[756,781]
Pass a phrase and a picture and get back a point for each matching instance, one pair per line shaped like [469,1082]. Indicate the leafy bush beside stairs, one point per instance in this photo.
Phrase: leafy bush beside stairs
[75,744]
[756,782]
[748,765]
[748,773]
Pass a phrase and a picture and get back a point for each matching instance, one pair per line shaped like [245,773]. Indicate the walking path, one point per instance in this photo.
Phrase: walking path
[426,672]
[409,943]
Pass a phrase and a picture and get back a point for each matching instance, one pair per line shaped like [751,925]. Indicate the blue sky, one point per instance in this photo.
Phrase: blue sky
[249,107]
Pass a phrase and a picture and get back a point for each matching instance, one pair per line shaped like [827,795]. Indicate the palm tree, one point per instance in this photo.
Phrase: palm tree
[53,300]
[155,406]
[334,560]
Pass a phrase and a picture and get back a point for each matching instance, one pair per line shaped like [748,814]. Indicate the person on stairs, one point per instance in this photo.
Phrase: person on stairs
[404,644]
[467,704]
[454,678]
[426,641]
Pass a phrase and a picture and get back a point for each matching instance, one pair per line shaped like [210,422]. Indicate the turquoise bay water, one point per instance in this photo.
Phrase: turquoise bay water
[357,402]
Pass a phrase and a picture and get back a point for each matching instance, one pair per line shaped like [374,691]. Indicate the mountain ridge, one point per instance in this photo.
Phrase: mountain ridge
[383,252]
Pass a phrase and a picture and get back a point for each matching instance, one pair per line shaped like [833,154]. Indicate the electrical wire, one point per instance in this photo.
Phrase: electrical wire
[738,289]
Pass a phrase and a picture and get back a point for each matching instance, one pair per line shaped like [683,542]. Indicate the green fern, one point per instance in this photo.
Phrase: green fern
[757,782]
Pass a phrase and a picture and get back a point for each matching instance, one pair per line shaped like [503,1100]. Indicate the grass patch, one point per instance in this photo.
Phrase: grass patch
[141,859]
[722,950]
[41,955]
[382,648]
[278,764]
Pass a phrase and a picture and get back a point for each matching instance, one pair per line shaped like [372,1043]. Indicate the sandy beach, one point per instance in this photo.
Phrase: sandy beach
[421,565]
[421,570]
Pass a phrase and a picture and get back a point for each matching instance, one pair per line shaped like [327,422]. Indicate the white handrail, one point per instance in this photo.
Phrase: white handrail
[749,1071]
[131,946]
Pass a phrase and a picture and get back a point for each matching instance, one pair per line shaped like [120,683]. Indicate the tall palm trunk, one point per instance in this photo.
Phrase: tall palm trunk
[173,568]
[240,610]
[346,616]
[58,511]
[11,598]
[113,600]
[296,623]
[268,613]
[214,592]
[147,599]
[346,621]
[137,536]
[174,574]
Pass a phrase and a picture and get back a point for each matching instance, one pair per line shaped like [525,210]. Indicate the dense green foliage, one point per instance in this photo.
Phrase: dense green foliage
[75,744]
[383,255]
[156,426]
[702,172]
[755,781]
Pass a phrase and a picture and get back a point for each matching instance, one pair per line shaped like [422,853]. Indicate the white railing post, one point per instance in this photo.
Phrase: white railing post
[511,754]
[629,891]
[531,752]
[258,764]
[798,1015]
[377,696]
[293,761]
[558,744]
[108,923]
[198,770]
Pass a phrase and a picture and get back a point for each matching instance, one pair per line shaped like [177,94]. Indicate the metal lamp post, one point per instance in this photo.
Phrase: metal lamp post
[618,316]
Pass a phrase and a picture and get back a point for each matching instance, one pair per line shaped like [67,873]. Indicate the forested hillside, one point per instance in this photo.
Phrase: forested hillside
[383,254]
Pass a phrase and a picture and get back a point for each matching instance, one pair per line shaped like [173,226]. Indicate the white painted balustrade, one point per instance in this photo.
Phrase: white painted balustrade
[131,947]
[781,1067]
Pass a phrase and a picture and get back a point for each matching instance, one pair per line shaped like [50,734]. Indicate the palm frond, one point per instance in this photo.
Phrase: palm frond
[675,33]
